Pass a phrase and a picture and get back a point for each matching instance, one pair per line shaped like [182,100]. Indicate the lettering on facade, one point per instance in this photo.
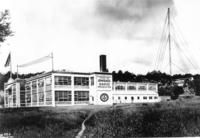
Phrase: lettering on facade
[104,82]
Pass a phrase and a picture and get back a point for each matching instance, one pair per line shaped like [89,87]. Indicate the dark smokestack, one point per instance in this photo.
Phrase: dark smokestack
[103,63]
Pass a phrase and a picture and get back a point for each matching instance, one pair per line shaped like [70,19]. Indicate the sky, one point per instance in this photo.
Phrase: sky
[78,31]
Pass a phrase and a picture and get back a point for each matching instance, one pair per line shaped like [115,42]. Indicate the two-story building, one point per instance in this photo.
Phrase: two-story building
[59,88]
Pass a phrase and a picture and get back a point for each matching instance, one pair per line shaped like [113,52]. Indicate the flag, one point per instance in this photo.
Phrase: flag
[8,60]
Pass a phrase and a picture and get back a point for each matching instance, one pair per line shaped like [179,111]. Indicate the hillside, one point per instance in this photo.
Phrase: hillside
[166,119]
[175,118]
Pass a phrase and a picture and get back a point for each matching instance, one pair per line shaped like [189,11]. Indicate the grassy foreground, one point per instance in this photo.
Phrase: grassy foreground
[41,122]
[177,118]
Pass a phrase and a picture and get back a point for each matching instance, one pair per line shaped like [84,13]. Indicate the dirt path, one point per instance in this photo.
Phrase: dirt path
[81,132]
[93,111]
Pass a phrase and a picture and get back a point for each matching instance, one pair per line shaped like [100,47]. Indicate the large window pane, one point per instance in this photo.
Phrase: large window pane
[41,91]
[28,94]
[152,87]
[62,80]
[48,81]
[119,87]
[131,87]
[142,87]
[48,90]
[63,96]
[40,83]
[81,96]
[92,81]
[81,81]
[34,93]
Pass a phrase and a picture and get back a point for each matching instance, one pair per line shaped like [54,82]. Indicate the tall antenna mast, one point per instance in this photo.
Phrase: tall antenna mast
[169,37]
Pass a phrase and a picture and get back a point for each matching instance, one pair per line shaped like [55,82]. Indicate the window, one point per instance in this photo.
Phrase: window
[14,94]
[34,85]
[125,98]
[48,81]
[41,90]
[119,88]
[27,93]
[81,96]
[48,93]
[40,83]
[152,87]
[27,86]
[34,98]
[62,80]
[150,97]
[155,97]
[34,92]
[28,98]
[92,81]
[81,81]
[132,98]
[10,91]
[118,98]
[142,87]
[63,96]
[48,96]
[138,97]
[131,87]
[144,97]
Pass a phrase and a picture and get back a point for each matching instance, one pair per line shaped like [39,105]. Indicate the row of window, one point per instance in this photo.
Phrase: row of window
[133,87]
[66,80]
[40,83]
[67,96]
[60,96]
[138,98]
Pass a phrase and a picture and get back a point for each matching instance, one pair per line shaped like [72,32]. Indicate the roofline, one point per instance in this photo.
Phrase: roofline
[14,81]
[65,72]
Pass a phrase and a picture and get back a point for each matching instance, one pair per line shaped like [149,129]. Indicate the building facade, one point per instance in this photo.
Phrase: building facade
[131,92]
[74,88]
[14,93]
[60,89]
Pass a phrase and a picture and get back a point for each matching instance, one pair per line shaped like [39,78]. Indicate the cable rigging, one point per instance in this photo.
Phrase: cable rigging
[174,36]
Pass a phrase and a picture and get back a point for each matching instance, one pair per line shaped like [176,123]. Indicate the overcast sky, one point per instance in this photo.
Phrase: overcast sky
[78,31]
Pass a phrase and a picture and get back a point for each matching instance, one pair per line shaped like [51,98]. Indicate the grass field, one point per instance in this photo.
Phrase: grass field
[173,118]
[165,119]
[45,122]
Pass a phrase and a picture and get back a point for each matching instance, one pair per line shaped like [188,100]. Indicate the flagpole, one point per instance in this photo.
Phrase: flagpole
[17,70]
[10,66]
[52,61]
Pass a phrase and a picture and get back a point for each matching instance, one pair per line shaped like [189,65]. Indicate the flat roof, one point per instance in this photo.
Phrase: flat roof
[65,72]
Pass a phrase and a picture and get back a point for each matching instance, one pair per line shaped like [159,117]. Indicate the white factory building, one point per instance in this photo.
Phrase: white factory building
[61,88]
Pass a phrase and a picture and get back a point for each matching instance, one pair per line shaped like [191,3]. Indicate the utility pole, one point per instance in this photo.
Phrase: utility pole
[169,37]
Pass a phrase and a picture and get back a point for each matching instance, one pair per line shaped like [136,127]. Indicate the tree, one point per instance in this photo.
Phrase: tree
[176,91]
[196,85]
[5,30]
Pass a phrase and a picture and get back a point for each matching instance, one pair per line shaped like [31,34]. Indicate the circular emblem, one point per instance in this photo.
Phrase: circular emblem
[104,97]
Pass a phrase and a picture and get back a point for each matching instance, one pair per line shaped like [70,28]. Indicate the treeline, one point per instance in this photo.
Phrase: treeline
[154,76]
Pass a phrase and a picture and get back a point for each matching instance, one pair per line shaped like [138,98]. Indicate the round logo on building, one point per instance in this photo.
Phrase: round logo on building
[104,97]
